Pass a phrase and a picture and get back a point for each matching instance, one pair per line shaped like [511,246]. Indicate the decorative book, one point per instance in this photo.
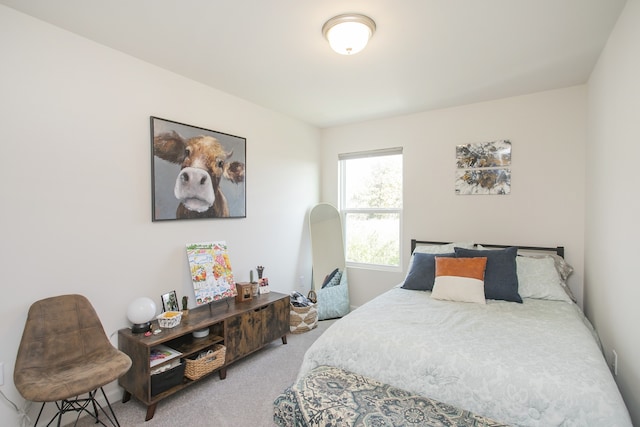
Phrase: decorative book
[161,353]
[211,272]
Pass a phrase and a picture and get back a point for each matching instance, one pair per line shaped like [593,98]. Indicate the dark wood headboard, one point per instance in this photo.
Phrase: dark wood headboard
[559,250]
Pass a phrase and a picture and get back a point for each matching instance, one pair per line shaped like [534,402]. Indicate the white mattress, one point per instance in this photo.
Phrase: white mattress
[530,364]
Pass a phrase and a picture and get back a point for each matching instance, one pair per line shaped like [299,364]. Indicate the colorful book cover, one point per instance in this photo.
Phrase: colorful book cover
[211,272]
[162,353]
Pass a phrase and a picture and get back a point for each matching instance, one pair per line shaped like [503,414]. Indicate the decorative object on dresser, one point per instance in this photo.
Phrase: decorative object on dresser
[255,288]
[169,319]
[141,312]
[211,272]
[263,282]
[170,301]
[239,328]
[185,306]
[263,285]
[244,291]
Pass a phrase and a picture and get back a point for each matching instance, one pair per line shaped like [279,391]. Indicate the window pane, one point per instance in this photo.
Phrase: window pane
[373,182]
[373,238]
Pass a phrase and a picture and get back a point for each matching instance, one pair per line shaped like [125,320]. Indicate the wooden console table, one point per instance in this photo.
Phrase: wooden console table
[242,327]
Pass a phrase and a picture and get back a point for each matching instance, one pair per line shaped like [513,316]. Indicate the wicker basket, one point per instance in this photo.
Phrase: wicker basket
[196,368]
[303,319]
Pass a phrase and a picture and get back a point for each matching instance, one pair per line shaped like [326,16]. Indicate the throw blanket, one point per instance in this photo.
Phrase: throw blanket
[330,396]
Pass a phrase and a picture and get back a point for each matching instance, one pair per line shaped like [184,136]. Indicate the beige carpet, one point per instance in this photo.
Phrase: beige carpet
[243,399]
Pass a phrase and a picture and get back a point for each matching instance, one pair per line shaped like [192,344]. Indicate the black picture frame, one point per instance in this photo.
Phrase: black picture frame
[196,173]
[170,302]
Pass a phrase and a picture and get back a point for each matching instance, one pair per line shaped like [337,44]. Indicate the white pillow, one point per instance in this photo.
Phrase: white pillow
[441,249]
[460,279]
[538,278]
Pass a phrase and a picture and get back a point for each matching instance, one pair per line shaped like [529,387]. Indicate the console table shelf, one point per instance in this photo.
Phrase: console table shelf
[242,327]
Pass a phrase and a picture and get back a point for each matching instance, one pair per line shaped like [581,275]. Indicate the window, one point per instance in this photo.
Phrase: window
[371,206]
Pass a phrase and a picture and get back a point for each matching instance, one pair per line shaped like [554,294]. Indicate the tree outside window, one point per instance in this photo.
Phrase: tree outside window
[371,206]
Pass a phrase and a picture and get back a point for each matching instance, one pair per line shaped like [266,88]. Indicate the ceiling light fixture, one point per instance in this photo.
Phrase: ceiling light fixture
[349,33]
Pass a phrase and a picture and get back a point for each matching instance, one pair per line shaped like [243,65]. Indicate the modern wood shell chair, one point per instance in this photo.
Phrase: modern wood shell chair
[65,354]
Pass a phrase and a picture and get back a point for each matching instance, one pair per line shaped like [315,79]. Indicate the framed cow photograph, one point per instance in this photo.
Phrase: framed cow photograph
[196,173]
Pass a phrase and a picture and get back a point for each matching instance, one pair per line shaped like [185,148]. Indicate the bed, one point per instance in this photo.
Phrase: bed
[532,363]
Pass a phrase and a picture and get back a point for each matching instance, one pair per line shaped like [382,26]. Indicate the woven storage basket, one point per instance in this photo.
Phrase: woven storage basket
[196,368]
[303,319]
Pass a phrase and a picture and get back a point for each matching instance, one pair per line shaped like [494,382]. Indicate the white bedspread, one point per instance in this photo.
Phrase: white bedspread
[530,364]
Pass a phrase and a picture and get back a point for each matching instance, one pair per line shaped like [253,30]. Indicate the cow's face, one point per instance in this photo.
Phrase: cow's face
[202,168]
[203,164]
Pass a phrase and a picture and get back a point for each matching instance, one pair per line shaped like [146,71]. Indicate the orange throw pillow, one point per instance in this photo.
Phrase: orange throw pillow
[460,279]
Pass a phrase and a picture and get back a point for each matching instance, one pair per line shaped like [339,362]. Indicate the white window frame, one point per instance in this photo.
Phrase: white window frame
[342,202]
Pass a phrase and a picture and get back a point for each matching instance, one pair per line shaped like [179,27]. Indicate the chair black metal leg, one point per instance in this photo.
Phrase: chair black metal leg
[40,413]
[110,408]
[93,402]
[80,405]
[60,413]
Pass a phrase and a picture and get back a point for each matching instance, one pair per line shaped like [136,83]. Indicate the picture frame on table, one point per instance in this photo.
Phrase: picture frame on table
[170,301]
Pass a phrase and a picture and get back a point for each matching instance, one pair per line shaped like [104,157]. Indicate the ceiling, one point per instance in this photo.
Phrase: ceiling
[425,54]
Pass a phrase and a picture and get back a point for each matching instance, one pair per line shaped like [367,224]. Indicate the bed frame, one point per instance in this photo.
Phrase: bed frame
[558,250]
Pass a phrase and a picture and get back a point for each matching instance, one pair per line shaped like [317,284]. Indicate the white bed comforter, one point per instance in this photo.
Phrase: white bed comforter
[530,364]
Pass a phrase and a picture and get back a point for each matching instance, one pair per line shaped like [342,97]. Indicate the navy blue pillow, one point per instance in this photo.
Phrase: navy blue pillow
[335,280]
[329,276]
[423,271]
[501,274]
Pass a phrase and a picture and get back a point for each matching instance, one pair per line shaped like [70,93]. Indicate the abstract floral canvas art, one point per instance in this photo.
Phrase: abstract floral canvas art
[482,168]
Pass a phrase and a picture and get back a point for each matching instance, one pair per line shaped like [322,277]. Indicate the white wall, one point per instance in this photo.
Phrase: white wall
[546,204]
[613,206]
[76,184]
[75,181]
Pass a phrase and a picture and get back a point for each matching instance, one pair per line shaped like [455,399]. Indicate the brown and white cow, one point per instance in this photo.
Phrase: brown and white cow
[203,164]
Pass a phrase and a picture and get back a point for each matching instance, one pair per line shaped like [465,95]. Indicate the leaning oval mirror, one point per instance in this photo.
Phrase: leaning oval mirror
[327,250]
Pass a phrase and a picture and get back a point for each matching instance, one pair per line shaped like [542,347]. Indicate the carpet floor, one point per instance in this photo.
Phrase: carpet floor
[244,399]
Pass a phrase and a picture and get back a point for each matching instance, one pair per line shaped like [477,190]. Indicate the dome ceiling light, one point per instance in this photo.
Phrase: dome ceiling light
[348,34]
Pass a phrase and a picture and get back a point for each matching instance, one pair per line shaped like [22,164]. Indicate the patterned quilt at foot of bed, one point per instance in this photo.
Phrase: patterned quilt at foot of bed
[330,396]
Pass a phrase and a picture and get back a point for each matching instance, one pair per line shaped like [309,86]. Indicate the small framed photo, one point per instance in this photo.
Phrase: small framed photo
[170,302]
